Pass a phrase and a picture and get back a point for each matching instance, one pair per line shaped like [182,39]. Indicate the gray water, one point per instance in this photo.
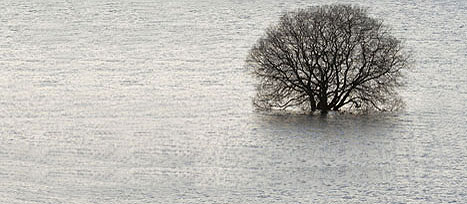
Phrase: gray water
[148,102]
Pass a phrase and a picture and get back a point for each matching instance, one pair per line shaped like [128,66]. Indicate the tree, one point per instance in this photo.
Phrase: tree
[326,58]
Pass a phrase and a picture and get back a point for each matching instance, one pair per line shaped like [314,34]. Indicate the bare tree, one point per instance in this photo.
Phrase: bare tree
[326,58]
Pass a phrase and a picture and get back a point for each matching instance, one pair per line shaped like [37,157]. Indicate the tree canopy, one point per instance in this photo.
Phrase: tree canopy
[333,57]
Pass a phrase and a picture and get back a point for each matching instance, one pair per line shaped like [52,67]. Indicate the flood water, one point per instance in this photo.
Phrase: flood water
[148,101]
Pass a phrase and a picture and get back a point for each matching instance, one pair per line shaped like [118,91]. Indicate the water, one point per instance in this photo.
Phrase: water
[148,102]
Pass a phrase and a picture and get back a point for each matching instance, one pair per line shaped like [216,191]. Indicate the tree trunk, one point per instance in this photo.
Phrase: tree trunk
[312,104]
[323,104]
